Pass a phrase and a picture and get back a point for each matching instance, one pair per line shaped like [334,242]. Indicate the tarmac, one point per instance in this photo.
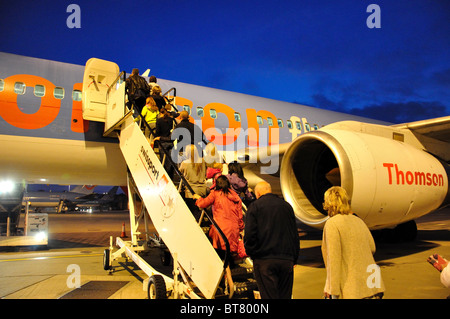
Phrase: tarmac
[71,267]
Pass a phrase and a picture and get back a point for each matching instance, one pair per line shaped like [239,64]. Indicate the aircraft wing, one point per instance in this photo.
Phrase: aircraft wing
[262,154]
[434,134]
[269,157]
[92,196]
[438,128]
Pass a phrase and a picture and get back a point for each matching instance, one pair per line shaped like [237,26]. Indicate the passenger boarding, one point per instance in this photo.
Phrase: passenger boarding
[63,123]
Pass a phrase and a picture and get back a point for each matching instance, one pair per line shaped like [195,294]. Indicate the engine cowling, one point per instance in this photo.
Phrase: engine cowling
[388,180]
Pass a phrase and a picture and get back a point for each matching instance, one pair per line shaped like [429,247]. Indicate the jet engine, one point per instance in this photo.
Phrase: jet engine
[388,176]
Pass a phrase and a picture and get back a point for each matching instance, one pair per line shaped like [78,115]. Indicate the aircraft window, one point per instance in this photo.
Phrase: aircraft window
[237,116]
[213,113]
[299,125]
[316,127]
[307,127]
[2,85]
[76,95]
[259,120]
[200,112]
[19,88]
[39,90]
[58,93]
[289,124]
[280,123]
[187,109]
[269,121]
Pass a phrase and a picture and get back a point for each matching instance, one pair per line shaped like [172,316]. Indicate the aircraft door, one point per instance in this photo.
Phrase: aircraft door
[98,76]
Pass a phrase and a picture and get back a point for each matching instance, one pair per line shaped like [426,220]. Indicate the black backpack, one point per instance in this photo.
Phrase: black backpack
[142,90]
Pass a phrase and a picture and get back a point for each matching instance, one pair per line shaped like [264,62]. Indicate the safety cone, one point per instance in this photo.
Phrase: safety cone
[123,234]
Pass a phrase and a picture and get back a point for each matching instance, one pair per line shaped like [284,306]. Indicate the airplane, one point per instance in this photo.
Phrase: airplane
[80,196]
[393,173]
[97,201]
[41,199]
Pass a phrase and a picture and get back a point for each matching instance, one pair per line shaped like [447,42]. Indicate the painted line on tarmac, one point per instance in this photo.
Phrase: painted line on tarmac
[49,257]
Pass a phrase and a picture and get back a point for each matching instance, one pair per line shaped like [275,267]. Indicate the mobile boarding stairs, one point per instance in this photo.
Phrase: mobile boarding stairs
[198,272]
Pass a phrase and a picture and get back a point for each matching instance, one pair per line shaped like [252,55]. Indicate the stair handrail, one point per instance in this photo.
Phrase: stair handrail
[175,166]
[186,183]
[174,89]
[124,74]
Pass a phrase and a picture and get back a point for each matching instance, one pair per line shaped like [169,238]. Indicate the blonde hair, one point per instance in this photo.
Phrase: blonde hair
[211,149]
[156,90]
[212,156]
[150,101]
[194,158]
[336,201]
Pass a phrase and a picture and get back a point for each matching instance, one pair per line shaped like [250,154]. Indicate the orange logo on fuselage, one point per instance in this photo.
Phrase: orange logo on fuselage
[255,134]
[12,113]
[234,127]
[48,110]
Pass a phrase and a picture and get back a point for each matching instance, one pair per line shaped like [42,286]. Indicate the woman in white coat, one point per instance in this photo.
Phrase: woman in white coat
[347,250]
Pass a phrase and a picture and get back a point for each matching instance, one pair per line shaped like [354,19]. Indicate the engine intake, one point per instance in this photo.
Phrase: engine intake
[389,181]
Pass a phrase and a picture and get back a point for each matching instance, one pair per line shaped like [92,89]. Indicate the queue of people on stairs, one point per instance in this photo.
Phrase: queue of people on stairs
[268,233]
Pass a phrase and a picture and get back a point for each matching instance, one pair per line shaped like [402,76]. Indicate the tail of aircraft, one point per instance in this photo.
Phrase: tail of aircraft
[112,192]
[83,189]
[152,194]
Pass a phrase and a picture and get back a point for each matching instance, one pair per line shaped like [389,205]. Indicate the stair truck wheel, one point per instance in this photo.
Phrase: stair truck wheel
[156,287]
[106,260]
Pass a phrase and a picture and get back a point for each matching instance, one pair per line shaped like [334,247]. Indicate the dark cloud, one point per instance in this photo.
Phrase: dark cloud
[322,101]
[442,77]
[402,112]
[394,112]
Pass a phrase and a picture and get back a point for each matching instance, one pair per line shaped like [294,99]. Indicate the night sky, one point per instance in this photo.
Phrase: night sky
[318,53]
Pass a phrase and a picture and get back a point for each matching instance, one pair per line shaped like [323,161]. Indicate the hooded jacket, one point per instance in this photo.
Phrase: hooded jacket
[239,185]
[227,213]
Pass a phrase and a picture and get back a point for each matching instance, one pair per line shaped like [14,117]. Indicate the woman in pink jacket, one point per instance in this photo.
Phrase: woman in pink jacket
[227,212]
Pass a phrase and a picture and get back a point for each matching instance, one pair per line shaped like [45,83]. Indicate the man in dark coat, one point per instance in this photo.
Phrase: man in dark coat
[137,89]
[186,133]
[271,240]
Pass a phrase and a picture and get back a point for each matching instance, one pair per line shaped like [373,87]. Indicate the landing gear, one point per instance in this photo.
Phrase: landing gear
[405,232]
